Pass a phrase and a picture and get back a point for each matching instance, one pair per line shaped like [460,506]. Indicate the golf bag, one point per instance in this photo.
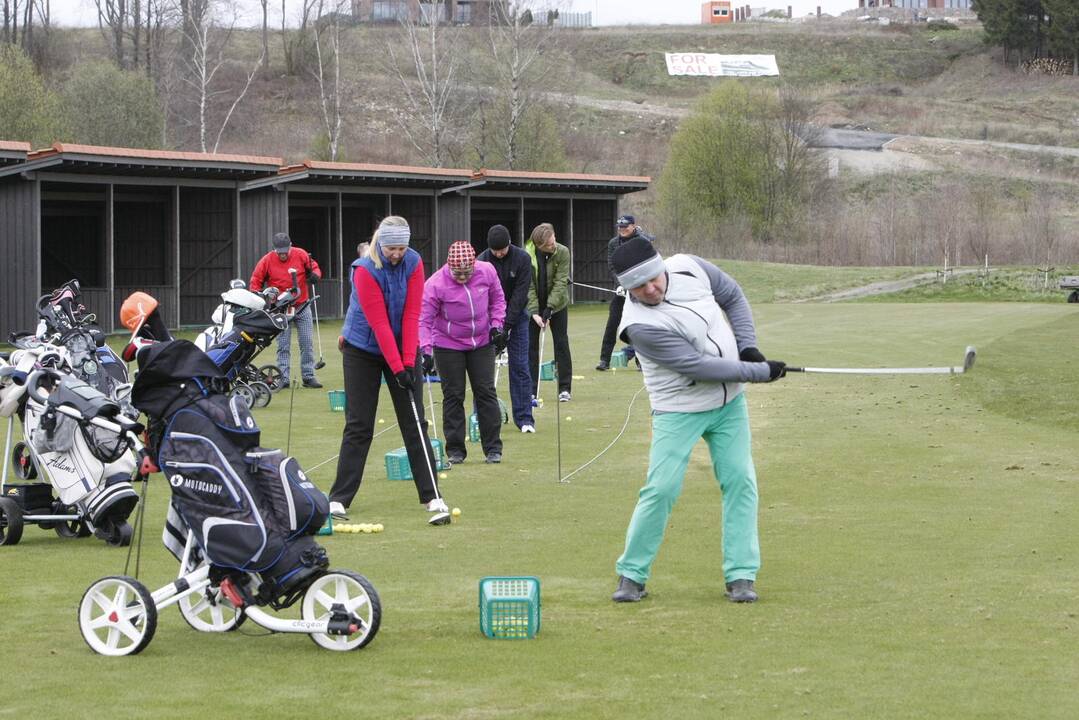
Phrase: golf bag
[250,509]
[88,466]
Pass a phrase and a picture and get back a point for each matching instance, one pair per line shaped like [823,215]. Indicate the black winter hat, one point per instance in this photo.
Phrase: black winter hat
[635,262]
[498,237]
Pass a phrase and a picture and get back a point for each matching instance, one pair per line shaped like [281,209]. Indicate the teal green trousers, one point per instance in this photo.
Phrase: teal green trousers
[726,430]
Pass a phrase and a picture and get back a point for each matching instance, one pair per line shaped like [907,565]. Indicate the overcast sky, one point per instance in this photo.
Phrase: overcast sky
[604,12]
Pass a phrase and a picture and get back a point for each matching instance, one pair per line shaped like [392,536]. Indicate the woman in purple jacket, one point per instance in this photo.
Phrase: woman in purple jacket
[461,323]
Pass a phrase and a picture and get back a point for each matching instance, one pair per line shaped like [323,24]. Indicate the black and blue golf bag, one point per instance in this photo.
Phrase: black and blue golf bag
[251,509]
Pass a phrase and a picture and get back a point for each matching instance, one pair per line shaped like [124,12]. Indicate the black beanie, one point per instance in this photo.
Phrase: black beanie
[636,262]
[498,237]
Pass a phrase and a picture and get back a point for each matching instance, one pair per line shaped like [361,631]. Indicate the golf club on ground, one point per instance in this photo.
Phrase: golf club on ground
[442,517]
[318,331]
[968,363]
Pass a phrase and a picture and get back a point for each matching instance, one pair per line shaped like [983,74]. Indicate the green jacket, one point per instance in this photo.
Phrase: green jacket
[557,279]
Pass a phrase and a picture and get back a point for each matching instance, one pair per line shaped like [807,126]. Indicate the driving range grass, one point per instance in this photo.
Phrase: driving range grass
[919,553]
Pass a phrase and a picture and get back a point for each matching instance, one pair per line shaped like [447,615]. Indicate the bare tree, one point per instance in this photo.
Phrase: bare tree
[265,34]
[112,20]
[520,48]
[208,43]
[294,41]
[425,63]
[328,69]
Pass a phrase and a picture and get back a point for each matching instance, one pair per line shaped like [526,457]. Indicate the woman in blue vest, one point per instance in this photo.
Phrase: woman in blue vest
[380,339]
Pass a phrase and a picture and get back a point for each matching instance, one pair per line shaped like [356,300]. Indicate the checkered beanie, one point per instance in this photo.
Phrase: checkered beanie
[462,255]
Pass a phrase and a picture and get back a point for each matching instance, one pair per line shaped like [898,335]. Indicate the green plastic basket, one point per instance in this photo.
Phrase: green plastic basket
[547,370]
[473,428]
[618,359]
[337,401]
[397,467]
[510,607]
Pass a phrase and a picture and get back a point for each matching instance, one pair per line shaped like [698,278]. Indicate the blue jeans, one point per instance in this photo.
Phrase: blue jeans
[521,385]
[304,326]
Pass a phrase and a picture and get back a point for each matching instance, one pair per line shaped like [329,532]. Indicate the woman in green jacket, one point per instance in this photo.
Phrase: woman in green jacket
[548,303]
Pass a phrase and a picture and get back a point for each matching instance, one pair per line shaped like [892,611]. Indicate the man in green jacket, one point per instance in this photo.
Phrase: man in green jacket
[548,300]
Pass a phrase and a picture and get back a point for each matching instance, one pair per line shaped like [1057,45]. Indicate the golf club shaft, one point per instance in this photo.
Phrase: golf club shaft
[427,449]
[431,399]
[594,287]
[539,361]
[318,330]
[968,362]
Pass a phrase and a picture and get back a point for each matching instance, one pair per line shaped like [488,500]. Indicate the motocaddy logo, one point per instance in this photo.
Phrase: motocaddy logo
[200,486]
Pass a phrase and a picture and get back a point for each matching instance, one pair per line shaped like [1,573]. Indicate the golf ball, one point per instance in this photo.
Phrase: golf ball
[378,527]
[381,421]
[442,476]
[568,418]
[367,528]
[456,512]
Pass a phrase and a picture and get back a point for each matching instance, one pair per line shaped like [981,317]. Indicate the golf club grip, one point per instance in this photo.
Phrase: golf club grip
[794,369]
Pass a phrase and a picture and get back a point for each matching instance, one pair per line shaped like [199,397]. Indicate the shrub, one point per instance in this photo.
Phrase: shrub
[110,106]
[28,110]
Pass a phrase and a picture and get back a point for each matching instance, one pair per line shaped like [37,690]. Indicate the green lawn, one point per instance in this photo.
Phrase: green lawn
[917,536]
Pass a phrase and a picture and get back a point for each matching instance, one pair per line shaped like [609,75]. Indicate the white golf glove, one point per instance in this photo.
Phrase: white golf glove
[620,291]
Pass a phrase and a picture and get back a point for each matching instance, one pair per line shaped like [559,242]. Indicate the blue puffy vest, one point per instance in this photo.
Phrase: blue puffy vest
[393,279]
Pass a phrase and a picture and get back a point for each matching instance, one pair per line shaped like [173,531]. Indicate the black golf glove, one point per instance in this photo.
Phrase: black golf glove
[776,369]
[751,354]
[546,315]
[499,340]
[428,364]
[404,378]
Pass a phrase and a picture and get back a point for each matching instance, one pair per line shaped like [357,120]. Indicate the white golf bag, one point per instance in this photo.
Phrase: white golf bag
[235,301]
[76,438]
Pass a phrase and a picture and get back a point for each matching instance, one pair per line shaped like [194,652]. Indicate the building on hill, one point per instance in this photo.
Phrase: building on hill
[458,12]
[917,4]
[716,13]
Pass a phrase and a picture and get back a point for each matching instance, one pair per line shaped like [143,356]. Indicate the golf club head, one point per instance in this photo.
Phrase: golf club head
[320,364]
[968,358]
[440,518]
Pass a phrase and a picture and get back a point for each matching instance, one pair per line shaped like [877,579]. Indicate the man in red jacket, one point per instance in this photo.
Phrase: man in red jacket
[273,270]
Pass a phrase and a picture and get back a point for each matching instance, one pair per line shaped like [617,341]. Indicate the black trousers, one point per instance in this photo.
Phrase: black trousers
[363,371]
[479,365]
[610,333]
[558,329]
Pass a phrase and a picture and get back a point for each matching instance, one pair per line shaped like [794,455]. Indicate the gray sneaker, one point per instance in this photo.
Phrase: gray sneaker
[628,590]
[741,591]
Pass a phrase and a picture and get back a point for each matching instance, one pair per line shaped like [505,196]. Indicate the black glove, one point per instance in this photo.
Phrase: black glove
[428,364]
[751,354]
[546,315]
[776,369]
[404,379]
[498,339]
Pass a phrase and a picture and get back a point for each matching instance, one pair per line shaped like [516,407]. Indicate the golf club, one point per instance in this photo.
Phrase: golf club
[431,401]
[536,400]
[596,287]
[558,437]
[968,363]
[318,331]
[442,517]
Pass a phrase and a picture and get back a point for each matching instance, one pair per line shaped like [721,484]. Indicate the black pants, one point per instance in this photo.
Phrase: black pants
[610,333]
[479,364]
[558,328]
[363,370]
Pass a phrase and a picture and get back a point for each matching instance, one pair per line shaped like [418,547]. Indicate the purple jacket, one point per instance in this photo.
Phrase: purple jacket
[460,317]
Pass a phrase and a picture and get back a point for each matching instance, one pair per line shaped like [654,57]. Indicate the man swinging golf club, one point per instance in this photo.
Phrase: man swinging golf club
[693,331]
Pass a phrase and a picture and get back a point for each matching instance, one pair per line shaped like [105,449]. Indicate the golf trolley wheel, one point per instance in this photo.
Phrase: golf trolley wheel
[115,534]
[210,611]
[117,616]
[353,592]
[72,529]
[23,462]
[245,393]
[11,523]
[262,392]
[272,376]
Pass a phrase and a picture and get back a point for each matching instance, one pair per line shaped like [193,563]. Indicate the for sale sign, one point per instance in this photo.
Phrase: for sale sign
[714,65]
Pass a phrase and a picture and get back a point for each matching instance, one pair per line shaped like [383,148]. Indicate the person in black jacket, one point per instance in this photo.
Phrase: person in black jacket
[515,273]
[627,230]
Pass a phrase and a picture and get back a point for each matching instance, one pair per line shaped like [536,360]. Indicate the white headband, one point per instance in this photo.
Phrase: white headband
[642,272]
[395,235]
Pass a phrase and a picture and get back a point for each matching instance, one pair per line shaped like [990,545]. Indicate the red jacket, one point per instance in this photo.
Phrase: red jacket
[271,270]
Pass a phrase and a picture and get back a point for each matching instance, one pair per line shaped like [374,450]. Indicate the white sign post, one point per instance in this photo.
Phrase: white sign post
[714,65]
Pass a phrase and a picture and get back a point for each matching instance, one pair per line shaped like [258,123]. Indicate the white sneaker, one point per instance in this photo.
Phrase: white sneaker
[528,428]
[437,505]
[338,511]
[563,396]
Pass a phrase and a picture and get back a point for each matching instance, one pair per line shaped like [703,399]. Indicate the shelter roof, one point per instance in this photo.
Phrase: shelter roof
[527,180]
[13,152]
[95,159]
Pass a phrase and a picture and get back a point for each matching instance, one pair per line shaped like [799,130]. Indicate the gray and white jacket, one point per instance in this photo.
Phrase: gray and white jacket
[688,345]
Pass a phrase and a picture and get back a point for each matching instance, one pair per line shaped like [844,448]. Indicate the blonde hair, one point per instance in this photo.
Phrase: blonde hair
[372,248]
[540,233]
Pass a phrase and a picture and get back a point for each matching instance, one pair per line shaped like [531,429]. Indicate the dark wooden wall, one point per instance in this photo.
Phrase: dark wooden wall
[593,226]
[263,212]
[206,251]
[453,221]
[20,240]
[419,210]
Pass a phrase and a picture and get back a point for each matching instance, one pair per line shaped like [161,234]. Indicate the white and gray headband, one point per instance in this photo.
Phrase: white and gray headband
[642,272]
[395,235]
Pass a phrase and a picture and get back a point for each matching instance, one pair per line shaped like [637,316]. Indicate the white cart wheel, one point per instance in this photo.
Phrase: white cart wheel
[117,616]
[210,611]
[355,594]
